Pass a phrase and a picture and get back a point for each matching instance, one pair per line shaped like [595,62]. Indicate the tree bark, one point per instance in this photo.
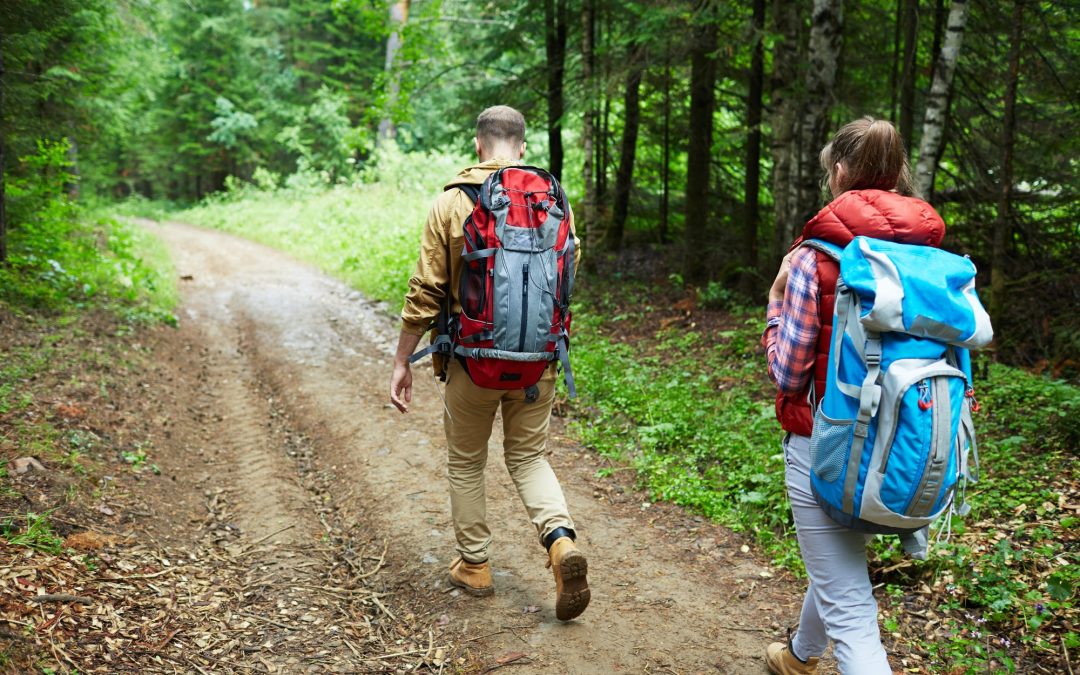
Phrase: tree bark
[702,101]
[555,40]
[787,55]
[894,76]
[826,39]
[939,28]
[907,79]
[588,214]
[3,144]
[665,161]
[399,14]
[752,186]
[931,143]
[1004,221]
[624,176]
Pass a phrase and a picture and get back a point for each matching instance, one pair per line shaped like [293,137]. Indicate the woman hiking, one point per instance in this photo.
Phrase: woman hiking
[873,195]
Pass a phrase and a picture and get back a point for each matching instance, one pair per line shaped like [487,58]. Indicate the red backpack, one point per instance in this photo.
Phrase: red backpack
[515,284]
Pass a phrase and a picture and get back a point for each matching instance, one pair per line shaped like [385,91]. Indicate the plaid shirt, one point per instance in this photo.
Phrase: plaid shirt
[791,326]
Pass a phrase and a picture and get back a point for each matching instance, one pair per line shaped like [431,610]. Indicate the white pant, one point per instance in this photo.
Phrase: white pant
[839,604]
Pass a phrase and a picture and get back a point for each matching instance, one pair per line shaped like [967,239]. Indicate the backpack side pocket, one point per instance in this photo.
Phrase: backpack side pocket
[830,444]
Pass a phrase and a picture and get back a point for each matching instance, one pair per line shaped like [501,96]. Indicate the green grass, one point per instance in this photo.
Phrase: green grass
[37,534]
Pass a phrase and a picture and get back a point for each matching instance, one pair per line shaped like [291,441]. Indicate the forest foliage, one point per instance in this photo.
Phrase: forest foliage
[691,128]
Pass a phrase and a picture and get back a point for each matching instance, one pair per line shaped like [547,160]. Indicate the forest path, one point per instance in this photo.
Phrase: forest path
[285,425]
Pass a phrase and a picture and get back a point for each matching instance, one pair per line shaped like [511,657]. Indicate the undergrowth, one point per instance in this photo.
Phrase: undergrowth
[71,272]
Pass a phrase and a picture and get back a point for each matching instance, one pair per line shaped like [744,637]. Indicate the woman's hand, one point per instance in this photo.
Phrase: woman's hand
[779,284]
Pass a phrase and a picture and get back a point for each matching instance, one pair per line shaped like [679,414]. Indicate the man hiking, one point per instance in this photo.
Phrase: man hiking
[477,386]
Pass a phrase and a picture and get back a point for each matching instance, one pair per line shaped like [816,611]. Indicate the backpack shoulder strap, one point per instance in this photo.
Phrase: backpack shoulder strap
[828,248]
[473,191]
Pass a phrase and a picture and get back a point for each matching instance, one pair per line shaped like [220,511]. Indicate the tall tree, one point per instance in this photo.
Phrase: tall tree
[699,151]
[555,18]
[1003,224]
[784,94]
[931,143]
[3,144]
[826,39]
[624,177]
[588,215]
[907,79]
[399,14]
[751,215]
[665,152]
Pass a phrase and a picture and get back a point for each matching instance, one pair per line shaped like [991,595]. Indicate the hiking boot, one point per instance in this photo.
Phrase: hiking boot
[473,578]
[780,660]
[569,566]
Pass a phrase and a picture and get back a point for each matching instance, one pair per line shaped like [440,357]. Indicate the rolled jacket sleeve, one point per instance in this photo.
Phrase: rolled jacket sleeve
[791,327]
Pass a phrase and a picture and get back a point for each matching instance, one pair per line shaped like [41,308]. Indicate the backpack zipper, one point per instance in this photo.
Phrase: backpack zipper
[524,305]
[920,504]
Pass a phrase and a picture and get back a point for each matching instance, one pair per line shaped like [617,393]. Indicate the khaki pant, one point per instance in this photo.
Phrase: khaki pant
[468,420]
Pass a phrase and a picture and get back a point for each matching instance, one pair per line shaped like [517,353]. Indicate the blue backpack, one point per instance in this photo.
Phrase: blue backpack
[889,449]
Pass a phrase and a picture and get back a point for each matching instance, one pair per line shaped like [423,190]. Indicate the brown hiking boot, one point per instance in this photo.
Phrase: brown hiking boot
[473,578]
[571,588]
[780,660]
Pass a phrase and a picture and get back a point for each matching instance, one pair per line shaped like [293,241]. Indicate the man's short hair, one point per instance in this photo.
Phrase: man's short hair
[500,124]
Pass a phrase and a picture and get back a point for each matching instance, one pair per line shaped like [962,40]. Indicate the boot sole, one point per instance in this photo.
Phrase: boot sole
[471,590]
[575,595]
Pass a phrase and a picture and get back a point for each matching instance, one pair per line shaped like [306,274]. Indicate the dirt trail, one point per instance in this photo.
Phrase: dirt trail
[288,440]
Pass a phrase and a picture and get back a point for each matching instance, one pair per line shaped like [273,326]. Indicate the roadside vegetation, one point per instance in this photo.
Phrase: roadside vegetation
[673,385]
[76,287]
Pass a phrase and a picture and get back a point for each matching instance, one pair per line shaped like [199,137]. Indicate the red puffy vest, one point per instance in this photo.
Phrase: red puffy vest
[868,213]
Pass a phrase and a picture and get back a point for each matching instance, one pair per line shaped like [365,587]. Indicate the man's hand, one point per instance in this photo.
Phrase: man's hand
[401,386]
[779,284]
[401,380]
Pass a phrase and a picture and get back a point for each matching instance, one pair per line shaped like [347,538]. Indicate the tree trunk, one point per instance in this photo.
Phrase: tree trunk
[702,100]
[824,57]
[931,143]
[665,162]
[894,76]
[939,27]
[1004,221]
[399,14]
[752,185]
[555,33]
[3,143]
[588,215]
[907,79]
[624,177]
[787,55]
[602,160]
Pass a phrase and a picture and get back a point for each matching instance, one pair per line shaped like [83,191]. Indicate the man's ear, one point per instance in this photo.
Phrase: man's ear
[477,147]
[521,151]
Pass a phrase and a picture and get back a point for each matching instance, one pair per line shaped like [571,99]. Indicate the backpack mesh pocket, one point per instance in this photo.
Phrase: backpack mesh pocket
[829,446]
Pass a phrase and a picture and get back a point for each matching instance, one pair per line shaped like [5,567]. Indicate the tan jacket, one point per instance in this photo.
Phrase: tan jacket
[438,268]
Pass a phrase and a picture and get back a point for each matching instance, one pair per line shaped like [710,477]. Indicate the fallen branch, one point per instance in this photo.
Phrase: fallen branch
[748,630]
[397,654]
[383,608]
[252,545]
[62,597]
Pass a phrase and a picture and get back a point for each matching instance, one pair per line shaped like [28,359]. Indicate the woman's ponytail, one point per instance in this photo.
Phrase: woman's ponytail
[873,156]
